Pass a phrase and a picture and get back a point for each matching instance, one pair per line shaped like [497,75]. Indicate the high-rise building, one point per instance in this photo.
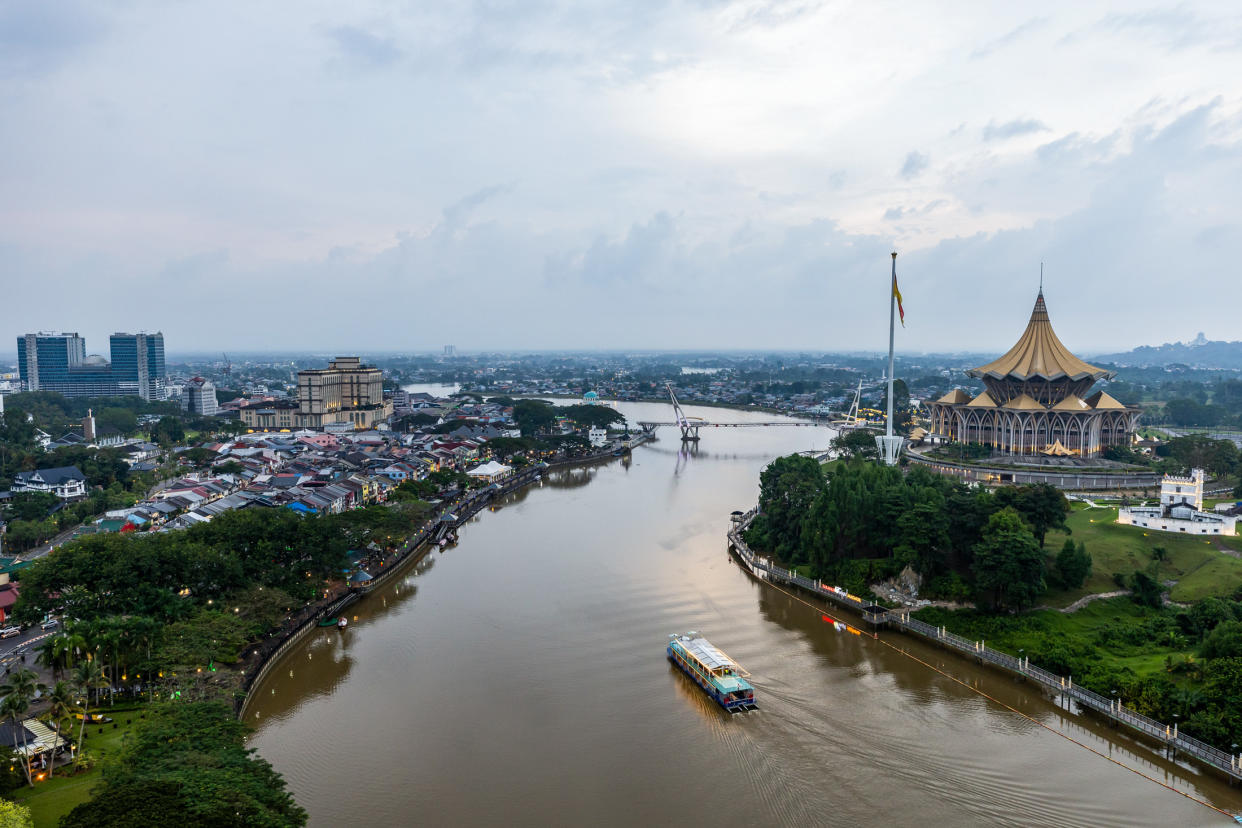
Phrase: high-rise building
[138,364]
[199,397]
[44,359]
[58,362]
[345,392]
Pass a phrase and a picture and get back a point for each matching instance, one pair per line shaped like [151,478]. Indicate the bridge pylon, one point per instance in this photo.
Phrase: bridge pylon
[689,430]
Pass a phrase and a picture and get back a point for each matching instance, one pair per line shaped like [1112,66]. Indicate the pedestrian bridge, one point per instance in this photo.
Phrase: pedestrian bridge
[690,425]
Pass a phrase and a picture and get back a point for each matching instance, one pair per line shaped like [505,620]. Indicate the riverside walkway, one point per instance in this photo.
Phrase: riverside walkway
[1072,697]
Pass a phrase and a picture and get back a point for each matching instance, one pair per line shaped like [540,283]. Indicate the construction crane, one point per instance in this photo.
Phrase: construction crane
[228,366]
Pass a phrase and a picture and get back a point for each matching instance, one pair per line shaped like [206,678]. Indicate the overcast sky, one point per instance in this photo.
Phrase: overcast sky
[396,176]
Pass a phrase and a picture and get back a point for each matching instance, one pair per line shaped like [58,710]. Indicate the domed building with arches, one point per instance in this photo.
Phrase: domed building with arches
[1037,400]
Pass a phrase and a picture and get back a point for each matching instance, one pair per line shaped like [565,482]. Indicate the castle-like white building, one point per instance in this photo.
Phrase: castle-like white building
[1180,509]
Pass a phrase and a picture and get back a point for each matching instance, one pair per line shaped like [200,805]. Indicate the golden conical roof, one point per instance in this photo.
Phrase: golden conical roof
[1104,402]
[1024,402]
[955,397]
[1039,354]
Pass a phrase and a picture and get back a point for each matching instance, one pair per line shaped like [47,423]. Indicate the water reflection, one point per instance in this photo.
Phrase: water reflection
[316,672]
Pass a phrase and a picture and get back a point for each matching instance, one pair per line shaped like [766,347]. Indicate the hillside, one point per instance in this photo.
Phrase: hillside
[1199,353]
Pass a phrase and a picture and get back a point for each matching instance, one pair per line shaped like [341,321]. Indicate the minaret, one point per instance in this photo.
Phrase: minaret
[889,445]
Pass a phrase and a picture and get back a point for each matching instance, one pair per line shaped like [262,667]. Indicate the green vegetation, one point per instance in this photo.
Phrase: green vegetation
[162,611]
[52,799]
[862,522]
[586,416]
[188,760]
[1160,661]
[1199,566]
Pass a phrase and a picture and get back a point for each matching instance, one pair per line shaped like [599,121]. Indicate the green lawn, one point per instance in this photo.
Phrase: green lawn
[50,800]
[1096,632]
[1199,565]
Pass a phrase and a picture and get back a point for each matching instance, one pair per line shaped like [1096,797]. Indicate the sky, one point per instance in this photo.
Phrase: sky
[590,175]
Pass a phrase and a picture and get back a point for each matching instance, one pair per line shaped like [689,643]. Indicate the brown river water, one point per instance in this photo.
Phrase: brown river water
[519,678]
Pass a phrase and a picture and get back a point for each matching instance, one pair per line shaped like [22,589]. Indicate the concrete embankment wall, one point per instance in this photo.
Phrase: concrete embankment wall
[1068,479]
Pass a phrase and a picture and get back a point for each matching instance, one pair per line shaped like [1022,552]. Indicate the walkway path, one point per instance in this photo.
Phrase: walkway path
[1095,596]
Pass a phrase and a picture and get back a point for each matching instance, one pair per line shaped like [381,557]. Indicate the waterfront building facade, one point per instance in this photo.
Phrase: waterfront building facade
[1036,400]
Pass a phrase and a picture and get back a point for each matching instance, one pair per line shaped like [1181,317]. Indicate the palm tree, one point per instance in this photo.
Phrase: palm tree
[87,676]
[22,687]
[61,705]
[14,709]
[48,656]
[70,645]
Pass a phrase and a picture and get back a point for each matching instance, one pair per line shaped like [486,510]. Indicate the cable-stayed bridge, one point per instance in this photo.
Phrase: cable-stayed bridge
[690,425]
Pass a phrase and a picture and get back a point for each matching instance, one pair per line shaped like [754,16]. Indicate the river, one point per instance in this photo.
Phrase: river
[519,678]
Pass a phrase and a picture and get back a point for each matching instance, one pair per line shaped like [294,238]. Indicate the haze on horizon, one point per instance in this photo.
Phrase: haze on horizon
[558,175]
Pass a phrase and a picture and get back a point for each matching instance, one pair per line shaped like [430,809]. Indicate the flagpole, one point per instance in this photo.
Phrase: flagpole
[889,446]
[892,314]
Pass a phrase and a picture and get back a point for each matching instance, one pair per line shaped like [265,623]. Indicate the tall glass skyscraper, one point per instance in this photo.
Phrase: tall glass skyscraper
[138,364]
[58,362]
[44,359]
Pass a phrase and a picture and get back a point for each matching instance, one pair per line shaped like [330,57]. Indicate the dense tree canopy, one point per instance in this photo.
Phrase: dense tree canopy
[533,416]
[1009,565]
[602,416]
[863,522]
[187,764]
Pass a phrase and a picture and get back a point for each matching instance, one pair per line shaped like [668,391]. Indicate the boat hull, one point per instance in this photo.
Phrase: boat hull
[725,700]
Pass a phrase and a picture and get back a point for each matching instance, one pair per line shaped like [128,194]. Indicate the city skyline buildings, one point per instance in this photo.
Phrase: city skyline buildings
[59,361]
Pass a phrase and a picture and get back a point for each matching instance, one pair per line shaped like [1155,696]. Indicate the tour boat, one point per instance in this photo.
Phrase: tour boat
[720,676]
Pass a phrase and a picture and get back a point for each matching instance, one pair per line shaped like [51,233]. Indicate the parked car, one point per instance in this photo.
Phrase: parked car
[9,632]
[49,624]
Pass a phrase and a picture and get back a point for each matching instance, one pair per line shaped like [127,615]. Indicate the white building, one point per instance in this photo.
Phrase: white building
[66,482]
[598,436]
[1180,510]
[491,471]
[1174,489]
[199,397]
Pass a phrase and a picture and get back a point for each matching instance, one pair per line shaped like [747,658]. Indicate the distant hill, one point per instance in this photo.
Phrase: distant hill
[1197,353]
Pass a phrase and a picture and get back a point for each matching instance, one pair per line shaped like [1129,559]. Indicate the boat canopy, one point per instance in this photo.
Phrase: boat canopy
[708,654]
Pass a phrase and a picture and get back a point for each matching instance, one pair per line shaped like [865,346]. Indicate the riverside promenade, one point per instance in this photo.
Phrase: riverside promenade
[258,659]
[1069,696]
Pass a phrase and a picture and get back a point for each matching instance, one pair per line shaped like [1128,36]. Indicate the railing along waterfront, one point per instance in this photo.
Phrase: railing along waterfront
[1169,736]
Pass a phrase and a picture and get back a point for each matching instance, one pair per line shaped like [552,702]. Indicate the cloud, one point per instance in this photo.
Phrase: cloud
[1011,129]
[363,47]
[37,37]
[457,213]
[1009,38]
[914,164]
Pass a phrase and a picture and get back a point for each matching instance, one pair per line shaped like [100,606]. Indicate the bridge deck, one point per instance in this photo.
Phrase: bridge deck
[702,424]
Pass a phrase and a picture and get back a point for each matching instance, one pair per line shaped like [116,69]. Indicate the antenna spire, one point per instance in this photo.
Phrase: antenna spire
[1041,277]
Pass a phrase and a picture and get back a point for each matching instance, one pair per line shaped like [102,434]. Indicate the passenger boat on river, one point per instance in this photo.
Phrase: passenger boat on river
[719,675]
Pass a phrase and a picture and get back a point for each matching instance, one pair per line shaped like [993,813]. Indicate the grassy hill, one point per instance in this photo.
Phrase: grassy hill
[1201,567]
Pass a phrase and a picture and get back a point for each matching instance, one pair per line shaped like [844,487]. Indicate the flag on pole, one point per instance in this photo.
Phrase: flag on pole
[897,293]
